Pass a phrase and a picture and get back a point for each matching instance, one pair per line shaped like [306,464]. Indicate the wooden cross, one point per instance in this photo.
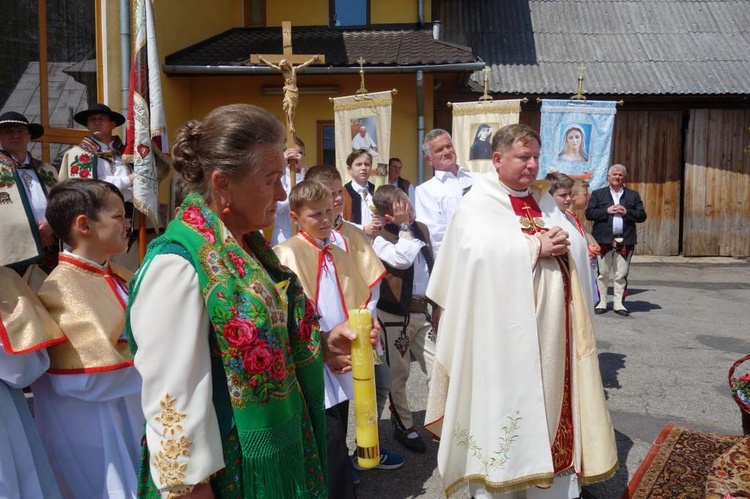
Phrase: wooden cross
[288,63]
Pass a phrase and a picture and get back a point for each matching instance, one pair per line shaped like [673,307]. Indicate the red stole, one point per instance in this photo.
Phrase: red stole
[531,216]
[532,222]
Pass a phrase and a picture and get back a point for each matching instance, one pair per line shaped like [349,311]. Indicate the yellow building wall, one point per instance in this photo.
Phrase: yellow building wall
[181,23]
[304,13]
[207,93]
[315,12]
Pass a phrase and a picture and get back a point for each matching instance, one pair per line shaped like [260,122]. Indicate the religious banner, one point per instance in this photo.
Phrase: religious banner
[364,122]
[577,139]
[473,126]
[146,122]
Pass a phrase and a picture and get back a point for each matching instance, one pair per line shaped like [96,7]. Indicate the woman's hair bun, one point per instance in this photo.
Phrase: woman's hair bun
[185,153]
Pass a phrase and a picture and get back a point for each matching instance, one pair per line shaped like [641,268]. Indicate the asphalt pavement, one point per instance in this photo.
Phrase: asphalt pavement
[667,362]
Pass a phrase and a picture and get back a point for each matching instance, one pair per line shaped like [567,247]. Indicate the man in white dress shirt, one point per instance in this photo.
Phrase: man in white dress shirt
[438,198]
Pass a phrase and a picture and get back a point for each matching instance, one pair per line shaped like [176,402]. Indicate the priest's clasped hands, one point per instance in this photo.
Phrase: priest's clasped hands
[554,242]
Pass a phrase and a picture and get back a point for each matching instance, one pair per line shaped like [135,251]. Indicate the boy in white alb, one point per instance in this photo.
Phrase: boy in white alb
[353,240]
[332,283]
[26,330]
[88,405]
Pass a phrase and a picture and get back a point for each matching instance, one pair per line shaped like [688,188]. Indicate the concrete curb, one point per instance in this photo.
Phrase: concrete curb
[702,260]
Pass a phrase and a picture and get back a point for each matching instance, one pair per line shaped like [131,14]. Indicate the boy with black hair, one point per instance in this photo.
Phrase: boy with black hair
[87,406]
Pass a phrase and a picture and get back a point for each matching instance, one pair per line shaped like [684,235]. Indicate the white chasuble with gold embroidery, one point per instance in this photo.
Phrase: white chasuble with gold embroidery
[498,384]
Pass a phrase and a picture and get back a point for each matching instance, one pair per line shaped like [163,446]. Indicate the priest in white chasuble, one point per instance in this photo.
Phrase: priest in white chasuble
[516,395]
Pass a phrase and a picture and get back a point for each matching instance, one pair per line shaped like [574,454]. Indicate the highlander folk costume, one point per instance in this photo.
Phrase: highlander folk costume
[23,199]
[257,429]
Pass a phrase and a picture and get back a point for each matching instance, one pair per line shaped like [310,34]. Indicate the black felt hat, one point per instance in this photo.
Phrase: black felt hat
[13,118]
[83,116]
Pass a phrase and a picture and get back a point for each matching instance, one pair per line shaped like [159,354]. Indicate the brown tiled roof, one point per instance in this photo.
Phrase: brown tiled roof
[386,47]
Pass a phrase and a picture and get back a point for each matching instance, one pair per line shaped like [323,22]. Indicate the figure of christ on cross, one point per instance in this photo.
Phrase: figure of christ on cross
[291,92]
[288,63]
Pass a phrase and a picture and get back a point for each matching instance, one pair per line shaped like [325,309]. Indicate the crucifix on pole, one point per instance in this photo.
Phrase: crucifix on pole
[288,63]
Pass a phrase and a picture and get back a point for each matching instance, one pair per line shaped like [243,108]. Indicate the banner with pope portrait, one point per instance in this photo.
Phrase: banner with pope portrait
[474,123]
[577,139]
[364,122]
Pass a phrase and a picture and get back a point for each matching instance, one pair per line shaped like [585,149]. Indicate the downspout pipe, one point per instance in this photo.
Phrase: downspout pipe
[420,126]
[124,53]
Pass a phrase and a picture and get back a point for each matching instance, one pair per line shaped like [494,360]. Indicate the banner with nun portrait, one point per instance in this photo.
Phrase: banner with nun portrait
[577,139]
[473,126]
[364,122]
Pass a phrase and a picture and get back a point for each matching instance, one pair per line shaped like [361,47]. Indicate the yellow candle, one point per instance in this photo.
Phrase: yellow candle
[365,404]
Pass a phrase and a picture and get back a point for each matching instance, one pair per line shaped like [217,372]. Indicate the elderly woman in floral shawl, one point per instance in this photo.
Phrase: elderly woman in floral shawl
[229,349]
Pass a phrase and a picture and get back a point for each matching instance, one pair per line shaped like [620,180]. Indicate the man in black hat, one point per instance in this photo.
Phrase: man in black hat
[25,235]
[100,154]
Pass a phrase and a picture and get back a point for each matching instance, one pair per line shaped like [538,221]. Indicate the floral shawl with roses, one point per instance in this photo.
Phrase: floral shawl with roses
[269,343]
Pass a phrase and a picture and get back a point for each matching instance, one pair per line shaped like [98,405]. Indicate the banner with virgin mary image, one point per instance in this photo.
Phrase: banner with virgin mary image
[364,122]
[577,139]
[473,126]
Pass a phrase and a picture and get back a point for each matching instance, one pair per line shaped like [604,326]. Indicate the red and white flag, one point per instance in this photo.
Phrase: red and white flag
[146,123]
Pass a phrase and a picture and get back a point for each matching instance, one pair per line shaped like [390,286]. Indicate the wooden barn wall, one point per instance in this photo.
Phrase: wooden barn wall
[649,144]
[691,171]
[716,216]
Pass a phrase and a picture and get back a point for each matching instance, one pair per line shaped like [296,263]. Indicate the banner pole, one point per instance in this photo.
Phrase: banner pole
[141,236]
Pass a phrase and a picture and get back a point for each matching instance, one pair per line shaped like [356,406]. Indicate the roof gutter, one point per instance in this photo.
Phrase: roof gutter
[229,70]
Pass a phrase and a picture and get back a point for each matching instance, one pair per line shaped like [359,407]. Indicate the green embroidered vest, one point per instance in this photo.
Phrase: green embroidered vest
[269,398]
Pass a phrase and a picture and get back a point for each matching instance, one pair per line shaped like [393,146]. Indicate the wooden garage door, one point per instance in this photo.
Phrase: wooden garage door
[716,215]
[649,144]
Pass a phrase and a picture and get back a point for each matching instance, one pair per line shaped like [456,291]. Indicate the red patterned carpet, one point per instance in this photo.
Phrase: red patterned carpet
[684,463]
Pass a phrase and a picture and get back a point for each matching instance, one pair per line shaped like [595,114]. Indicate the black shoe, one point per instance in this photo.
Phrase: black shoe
[415,444]
[623,312]
[600,311]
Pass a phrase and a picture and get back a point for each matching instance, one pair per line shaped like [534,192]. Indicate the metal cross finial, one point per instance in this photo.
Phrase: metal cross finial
[579,93]
[362,89]
[486,95]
